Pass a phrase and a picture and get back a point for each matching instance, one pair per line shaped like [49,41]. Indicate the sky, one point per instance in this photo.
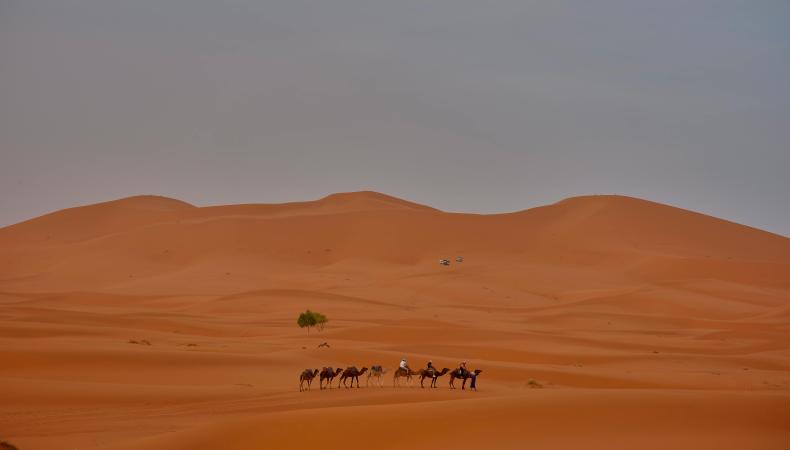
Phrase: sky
[463,105]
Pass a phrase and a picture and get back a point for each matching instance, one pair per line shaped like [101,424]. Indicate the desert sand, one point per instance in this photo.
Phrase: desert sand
[640,325]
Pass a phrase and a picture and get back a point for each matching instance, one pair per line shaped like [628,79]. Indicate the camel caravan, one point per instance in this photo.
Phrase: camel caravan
[327,375]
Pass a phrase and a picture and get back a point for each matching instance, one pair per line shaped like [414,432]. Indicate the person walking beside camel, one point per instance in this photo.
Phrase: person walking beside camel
[473,376]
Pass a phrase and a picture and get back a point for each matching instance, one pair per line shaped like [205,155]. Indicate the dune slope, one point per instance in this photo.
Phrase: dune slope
[599,322]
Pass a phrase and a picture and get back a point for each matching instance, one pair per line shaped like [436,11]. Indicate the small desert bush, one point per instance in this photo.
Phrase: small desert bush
[534,384]
[309,319]
[7,446]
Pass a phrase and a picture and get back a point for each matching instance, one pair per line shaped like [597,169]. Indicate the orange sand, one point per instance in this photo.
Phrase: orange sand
[648,326]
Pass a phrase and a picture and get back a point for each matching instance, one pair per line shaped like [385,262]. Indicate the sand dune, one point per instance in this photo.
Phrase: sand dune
[647,326]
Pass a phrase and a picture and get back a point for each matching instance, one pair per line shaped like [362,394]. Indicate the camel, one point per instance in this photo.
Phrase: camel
[462,374]
[307,375]
[353,373]
[431,373]
[376,372]
[401,372]
[328,374]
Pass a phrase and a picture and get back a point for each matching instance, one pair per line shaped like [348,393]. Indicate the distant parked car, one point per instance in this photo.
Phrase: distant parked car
[444,262]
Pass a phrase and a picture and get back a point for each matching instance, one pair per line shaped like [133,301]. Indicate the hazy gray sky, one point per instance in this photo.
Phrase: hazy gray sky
[479,106]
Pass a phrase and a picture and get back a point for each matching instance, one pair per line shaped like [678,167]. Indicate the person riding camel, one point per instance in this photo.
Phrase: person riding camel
[462,368]
[430,365]
[404,366]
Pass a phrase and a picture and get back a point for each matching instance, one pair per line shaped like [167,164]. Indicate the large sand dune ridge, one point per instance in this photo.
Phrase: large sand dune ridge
[647,326]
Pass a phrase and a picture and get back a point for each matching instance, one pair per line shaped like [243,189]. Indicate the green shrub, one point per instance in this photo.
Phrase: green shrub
[310,319]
